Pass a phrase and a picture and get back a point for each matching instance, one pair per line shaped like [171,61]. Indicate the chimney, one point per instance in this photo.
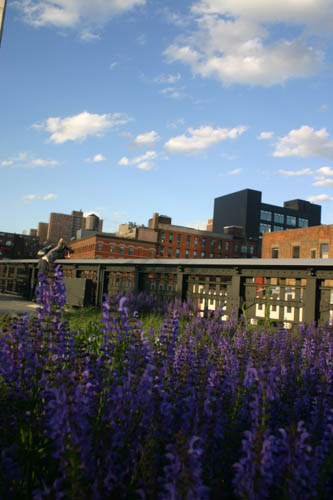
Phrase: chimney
[155,221]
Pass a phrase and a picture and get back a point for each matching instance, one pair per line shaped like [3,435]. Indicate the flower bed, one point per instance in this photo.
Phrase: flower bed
[208,410]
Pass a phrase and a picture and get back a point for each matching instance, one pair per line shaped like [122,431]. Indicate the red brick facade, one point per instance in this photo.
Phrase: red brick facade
[306,243]
[103,246]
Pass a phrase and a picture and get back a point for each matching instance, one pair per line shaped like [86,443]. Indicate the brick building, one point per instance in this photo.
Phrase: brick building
[188,243]
[18,246]
[110,246]
[42,231]
[307,243]
[164,240]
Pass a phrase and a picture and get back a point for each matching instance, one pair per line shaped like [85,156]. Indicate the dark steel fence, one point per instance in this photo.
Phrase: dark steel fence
[274,291]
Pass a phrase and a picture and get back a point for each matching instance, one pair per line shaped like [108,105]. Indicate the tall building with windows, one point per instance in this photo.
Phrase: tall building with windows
[245,208]
[66,226]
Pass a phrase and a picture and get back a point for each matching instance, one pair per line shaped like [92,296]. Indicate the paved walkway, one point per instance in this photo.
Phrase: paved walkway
[13,304]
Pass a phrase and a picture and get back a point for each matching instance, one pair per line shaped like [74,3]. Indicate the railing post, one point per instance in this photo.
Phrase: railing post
[310,299]
[180,283]
[136,281]
[235,293]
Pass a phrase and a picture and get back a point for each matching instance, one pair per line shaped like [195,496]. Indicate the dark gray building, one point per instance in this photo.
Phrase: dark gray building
[245,208]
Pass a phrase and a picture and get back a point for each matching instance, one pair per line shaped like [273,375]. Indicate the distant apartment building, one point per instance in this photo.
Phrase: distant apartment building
[42,231]
[188,243]
[245,209]
[164,240]
[308,243]
[18,246]
[111,246]
[66,226]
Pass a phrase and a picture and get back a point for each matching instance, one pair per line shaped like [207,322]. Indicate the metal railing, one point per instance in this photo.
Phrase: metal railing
[276,291]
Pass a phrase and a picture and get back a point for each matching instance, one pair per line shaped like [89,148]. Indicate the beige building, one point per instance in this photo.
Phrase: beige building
[66,226]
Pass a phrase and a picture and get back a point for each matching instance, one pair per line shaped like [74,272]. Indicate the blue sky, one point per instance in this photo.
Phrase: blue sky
[128,107]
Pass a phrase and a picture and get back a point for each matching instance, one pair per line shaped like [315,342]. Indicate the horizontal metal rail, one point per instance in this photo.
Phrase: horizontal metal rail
[271,291]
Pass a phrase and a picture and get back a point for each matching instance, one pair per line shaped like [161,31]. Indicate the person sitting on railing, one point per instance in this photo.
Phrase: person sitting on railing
[60,251]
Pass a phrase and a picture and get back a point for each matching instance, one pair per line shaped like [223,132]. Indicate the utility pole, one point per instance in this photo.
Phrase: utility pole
[2,16]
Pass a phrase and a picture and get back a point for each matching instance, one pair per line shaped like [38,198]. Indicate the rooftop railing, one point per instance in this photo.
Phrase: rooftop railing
[276,291]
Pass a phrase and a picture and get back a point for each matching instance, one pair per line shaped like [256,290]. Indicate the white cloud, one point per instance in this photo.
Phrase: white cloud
[170,79]
[305,142]
[97,158]
[145,165]
[201,139]
[79,127]
[265,135]
[73,13]
[124,161]
[88,36]
[147,138]
[119,214]
[173,92]
[297,173]
[143,162]
[42,197]
[320,198]
[27,160]
[323,182]
[113,65]
[236,171]
[235,40]
[325,171]
[177,123]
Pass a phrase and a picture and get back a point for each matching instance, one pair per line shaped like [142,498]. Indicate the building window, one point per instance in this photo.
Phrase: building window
[112,248]
[99,246]
[243,249]
[219,245]
[161,251]
[227,246]
[296,251]
[236,249]
[188,240]
[203,242]
[178,238]
[162,236]
[313,254]
[219,256]
[187,253]
[275,253]
[121,249]
[303,222]
[278,228]
[203,255]
[177,252]
[279,218]
[151,252]
[251,250]
[212,244]
[169,252]
[170,237]
[264,215]
[265,228]
[291,220]
[324,251]
[211,255]
[130,251]
[195,254]
[195,241]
